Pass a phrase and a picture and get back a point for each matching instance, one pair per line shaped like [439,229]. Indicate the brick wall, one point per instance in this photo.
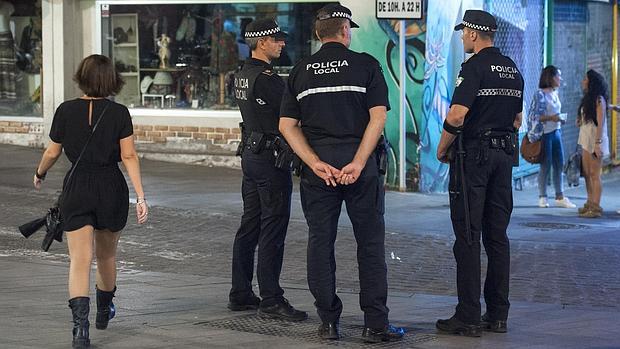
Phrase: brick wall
[209,146]
[14,127]
[22,133]
[164,134]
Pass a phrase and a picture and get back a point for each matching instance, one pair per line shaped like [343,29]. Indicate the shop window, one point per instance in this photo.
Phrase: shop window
[183,56]
[20,58]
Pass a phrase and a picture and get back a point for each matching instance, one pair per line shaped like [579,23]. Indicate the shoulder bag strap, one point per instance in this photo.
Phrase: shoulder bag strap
[86,145]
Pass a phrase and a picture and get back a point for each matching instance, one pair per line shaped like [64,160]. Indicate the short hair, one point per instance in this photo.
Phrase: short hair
[252,42]
[485,35]
[328,28]
[97,77]
[547,75]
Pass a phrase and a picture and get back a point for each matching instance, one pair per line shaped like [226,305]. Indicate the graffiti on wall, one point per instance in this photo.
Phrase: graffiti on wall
[434,56]
[444,55]
[380,38]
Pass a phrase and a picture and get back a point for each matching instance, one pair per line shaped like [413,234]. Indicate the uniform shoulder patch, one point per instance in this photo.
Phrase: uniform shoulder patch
[268,72]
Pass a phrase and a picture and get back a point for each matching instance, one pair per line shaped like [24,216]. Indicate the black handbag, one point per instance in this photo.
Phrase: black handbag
[53,219]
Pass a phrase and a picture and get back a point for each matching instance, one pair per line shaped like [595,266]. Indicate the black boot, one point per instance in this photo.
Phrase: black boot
[80,307]
[105,308]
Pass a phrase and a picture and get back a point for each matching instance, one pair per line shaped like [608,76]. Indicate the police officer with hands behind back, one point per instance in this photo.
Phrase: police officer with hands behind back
[333,112]
[266,189]
[484,116]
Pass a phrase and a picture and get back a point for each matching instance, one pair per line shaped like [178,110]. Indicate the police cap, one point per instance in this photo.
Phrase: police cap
[264,27]
[335,10]
[478,20]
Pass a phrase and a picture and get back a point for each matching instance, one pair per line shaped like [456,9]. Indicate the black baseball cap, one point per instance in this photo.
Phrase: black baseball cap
[264,27]
[478,20]
[335,10]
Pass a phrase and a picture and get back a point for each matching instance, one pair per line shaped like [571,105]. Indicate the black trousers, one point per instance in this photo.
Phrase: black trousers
[266,193]
[489,186]
[365,206]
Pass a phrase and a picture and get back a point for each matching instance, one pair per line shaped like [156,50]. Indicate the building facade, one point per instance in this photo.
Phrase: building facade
[178,57]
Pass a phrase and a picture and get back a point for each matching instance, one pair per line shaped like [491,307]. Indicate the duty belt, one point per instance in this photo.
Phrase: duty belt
[257,142]
[496,140]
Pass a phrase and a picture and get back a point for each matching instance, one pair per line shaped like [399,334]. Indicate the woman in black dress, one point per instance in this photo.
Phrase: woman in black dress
[96,198]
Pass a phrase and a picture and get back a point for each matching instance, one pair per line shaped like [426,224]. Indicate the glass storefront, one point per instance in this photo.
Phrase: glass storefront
[183,56]
[20,58]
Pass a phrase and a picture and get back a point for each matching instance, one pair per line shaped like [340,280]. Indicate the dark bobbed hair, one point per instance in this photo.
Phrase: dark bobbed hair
[97,77]
[547,75]
[597,87]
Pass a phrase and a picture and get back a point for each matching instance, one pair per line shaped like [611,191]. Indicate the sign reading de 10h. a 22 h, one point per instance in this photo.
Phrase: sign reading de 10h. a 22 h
[399,9]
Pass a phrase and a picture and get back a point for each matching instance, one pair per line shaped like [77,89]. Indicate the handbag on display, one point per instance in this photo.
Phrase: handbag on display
[53,219]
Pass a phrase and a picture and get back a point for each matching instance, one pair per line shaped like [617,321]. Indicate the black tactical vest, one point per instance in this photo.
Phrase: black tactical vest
[257,116]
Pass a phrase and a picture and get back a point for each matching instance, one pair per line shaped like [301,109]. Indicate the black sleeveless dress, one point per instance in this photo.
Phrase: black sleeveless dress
[97,193]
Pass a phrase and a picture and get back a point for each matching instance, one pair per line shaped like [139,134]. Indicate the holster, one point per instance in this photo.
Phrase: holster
[256,142]
[297,165]
[514,142]
[381,152]
[243,140]
[498,141]
[284,154]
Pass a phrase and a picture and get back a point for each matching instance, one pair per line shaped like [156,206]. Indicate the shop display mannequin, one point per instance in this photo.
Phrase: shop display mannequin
[164,51]
[7,53]
[224,54]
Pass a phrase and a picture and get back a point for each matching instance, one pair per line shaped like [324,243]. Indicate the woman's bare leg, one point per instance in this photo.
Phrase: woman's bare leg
[585,164]
[595,181]
[80,243]
[105,250]
[592,167]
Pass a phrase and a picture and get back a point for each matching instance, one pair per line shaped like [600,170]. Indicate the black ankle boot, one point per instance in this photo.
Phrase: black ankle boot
[105,308]
[80,307]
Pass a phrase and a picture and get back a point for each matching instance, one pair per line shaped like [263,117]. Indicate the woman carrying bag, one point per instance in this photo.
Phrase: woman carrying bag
[546,108]
[95,134]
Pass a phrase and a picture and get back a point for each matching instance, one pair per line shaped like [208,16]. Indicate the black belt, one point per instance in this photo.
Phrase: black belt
[503,142]
[495,139]
[258,141]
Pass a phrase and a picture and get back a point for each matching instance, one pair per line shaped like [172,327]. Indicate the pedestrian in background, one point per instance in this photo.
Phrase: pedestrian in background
[333,112]
[95,201]
[546,108]
[592,122]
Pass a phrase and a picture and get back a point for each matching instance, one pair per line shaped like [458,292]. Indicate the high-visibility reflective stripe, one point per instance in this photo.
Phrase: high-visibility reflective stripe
[499,92]
[331,89]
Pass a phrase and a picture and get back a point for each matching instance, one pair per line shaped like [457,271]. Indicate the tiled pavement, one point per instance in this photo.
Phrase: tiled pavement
[565,282]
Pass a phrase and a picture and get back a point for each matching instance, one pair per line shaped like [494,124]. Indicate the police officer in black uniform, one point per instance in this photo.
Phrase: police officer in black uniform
[333,113]
[266,189]
[484,115]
